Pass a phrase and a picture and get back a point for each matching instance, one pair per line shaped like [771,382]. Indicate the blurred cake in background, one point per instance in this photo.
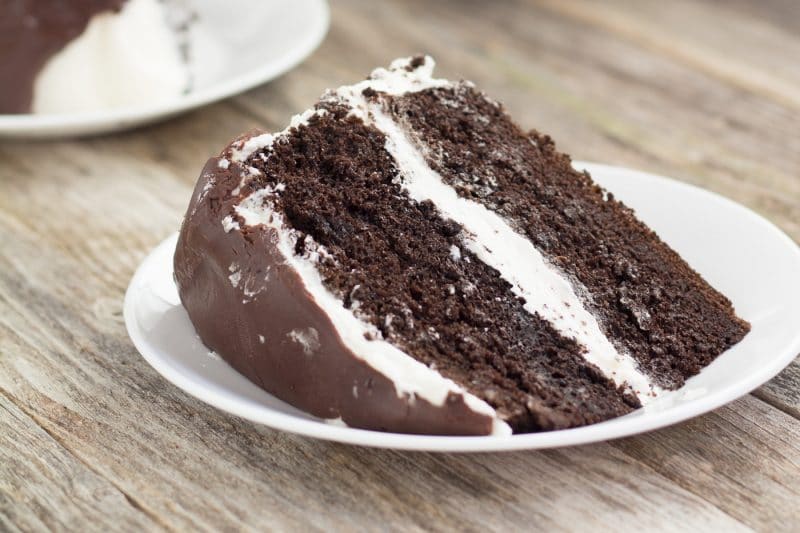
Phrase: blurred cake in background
[83,55]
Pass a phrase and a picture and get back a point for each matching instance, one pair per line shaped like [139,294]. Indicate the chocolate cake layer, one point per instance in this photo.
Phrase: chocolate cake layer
[651,303]
[31,32]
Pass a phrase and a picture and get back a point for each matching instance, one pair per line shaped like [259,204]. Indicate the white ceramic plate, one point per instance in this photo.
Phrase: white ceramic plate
[737,251]
[235,45]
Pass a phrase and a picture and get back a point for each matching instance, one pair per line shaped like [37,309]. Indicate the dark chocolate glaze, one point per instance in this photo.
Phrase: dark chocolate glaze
[231,323]
[31,32]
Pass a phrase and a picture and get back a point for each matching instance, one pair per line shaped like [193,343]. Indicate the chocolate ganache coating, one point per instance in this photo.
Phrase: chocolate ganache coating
[31,32]
[251,326]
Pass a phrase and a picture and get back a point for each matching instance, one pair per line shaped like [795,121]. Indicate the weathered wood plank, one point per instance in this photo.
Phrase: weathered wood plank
[44,487]
[780,13]
[737,458]
[700,36]
[783,392]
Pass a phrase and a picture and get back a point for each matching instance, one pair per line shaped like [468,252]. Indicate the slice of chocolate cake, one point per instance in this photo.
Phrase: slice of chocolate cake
[403,257]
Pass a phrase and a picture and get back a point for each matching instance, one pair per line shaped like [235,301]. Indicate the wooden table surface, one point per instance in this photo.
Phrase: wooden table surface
[92,438]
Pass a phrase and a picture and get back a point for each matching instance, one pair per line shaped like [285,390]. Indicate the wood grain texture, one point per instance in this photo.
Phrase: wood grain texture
[92,438]
[43,486]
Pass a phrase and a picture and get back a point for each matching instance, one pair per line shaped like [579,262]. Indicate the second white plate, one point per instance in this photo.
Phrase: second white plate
[235,45]
[738,252]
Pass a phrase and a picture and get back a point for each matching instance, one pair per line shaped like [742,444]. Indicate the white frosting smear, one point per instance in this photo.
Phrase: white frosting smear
[122,59]
[546,290]
[243,149]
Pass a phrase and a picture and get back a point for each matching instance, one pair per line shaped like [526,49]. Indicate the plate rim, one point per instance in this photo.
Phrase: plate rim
[63,125]
[599,432]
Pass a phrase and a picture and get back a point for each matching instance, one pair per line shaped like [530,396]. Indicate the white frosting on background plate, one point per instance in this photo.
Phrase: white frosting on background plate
[122,59]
